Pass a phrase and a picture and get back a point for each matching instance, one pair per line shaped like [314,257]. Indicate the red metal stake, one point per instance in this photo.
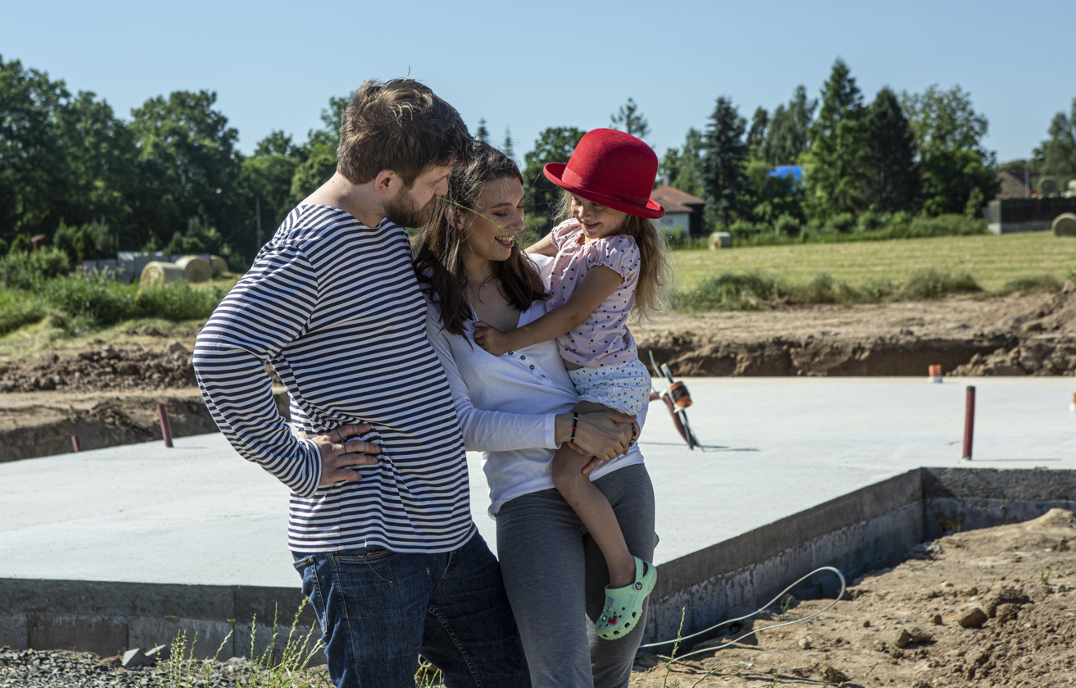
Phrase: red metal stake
[969,422]
[76,443]
[166,427]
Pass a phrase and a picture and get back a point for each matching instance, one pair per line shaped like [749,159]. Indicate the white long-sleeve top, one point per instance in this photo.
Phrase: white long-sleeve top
[507,406]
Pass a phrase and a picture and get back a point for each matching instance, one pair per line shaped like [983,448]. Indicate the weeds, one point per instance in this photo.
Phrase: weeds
[1044,575]
[267,670]
[428,675]
[676,646]
[1031,284]
[731,291]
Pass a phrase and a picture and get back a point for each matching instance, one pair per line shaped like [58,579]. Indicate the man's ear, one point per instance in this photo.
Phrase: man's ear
[386,182]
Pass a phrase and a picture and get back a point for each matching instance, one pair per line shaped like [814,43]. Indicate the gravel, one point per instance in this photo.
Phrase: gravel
[63,669]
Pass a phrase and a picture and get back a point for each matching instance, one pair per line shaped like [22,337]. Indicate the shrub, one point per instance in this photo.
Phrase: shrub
[177,301]
[787,225]
[88,242]
[104,302]
[842,223]
[1033,283]
[931,284]
[20,270]
[870,221]
[18,308]
[731,291]
[741,229]
[943,225]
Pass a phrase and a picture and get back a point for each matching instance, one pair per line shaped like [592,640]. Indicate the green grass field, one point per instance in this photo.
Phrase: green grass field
[992,260]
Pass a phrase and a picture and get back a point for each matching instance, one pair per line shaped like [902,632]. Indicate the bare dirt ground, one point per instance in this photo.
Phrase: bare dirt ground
[107,393]
[1015,335]
[993,607]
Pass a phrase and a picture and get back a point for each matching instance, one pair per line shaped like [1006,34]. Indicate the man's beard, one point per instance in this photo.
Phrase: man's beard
[404,212]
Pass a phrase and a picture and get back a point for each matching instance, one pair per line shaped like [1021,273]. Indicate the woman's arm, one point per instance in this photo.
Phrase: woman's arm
[598,285]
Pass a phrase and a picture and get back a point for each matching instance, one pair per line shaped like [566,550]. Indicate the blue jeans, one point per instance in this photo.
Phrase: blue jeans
[379,610]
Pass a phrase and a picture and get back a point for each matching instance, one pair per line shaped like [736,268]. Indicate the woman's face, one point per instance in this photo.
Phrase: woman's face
[502,202]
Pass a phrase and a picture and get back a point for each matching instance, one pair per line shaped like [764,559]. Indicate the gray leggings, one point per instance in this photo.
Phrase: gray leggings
[555,577]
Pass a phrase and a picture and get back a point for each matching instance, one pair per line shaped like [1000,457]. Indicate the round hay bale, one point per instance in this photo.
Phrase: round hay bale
[218,264]
[1065,224]
[157,272]
[197,268]
[720,240]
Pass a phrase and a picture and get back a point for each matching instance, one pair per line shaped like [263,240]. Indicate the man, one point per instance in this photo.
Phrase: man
[380,525]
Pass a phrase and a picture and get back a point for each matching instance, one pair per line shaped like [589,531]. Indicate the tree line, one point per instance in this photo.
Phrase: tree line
[171,178]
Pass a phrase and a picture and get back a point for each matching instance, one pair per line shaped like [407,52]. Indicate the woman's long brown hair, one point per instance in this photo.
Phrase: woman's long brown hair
[438,247]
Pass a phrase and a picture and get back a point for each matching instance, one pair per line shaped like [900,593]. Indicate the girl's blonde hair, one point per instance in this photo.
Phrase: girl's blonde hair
[655,272]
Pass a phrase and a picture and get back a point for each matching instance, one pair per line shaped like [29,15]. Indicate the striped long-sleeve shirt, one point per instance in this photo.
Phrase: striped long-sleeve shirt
[334,307]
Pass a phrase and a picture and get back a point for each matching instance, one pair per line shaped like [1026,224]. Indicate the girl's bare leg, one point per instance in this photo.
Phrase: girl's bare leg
[593,508]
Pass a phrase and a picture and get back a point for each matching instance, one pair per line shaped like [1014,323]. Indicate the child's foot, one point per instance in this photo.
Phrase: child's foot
[624,605]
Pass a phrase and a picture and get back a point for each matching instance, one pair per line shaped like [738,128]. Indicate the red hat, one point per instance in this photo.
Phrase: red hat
[613,169]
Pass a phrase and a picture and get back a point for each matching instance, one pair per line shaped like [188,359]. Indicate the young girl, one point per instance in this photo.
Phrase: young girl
[608,261]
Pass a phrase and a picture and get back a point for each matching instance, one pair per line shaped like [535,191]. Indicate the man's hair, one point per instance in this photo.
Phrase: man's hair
[399,125]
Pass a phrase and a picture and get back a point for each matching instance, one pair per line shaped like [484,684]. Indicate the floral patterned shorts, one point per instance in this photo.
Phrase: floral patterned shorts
[624,388]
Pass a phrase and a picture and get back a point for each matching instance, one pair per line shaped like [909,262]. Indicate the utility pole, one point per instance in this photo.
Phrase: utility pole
[257,223]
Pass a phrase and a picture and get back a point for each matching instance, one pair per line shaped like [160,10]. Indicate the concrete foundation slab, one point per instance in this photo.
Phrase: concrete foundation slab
[797,473]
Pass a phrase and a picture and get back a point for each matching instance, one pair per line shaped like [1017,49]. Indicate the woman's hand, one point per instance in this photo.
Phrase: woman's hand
[490,338]
[339,455]
[603,435]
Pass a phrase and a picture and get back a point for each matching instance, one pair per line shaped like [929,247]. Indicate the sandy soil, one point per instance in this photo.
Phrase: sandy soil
[993,607]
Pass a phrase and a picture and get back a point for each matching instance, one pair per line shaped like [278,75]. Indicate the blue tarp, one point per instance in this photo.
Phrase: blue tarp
[795,171]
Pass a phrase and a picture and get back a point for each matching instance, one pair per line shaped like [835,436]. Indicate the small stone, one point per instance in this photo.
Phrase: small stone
[918,635]
[974,618]
[866,623]
[46,384]
[903,639]
[936,620]
[1068,287]
[135,658]
[897,653]
[805,643]
[6,387]
[127,368]
[87,355]
[177,348]
[833,675]
[109,353]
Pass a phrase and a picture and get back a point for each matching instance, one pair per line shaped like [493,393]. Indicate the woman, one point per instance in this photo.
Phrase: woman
[516,408]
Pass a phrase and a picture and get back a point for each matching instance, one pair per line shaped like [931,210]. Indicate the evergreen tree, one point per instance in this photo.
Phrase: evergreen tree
[723,175]
[683,167]
[507,146]
[554,144]
[837,164]
[894,180]
[787,137]
[482,134]
[756,135]
[630,120]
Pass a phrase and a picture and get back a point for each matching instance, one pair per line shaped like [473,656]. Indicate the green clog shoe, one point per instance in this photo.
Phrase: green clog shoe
[624,606]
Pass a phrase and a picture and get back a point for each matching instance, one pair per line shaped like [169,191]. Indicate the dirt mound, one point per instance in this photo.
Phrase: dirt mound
[42,423]
[106,368]
[992,607]
[1017,335]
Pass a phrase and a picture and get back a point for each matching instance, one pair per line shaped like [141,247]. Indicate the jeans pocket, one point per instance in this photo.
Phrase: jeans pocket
[308,569]
[365,555]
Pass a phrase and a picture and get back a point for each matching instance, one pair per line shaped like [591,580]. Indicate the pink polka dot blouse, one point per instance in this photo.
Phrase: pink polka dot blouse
[603,338]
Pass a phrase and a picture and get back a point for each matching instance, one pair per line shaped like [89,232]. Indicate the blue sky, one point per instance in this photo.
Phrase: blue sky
[528,66]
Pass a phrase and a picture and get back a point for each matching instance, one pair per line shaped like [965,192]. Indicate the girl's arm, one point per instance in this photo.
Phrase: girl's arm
[544,246]
[597,286]
[603,434]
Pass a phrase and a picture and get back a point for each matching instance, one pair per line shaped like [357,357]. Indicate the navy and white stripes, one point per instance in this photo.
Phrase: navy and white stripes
[334,307]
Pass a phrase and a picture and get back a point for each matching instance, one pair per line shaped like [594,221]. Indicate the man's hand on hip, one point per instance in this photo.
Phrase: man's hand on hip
[339,454]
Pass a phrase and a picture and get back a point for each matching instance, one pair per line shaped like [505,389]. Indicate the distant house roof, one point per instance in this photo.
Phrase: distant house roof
[674,200]
[1012,183]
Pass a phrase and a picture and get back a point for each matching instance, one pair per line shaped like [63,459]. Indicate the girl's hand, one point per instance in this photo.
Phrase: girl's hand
[490,338]
[603,435]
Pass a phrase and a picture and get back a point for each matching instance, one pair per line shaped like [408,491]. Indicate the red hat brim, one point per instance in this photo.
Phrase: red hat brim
[554,172]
